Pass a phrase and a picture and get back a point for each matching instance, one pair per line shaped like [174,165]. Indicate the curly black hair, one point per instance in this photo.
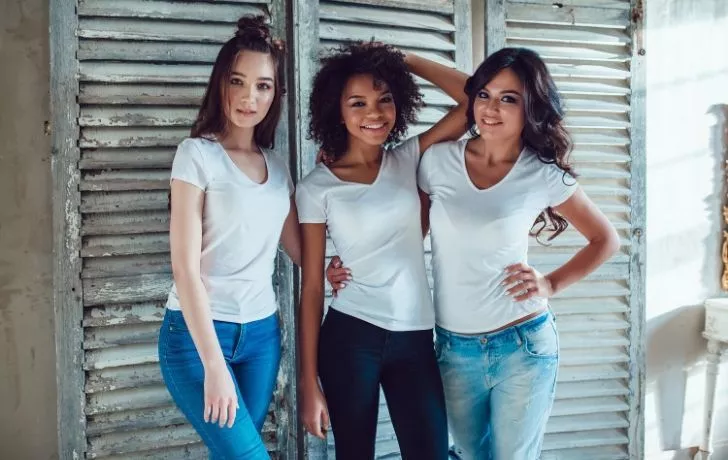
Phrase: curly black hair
[385,64]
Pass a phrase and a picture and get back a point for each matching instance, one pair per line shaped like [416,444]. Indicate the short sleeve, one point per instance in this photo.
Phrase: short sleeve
[561,185]
[424,171]
[289,181]
[409,149]
[189,165]
[310,208]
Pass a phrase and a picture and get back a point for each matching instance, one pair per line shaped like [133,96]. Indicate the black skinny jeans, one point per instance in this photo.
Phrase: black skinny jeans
[355,358]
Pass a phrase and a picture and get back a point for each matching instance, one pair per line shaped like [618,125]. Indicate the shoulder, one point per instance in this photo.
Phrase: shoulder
[205,149]
[317,177]
[199,143]
[442,152]
[409,147]
[550,172]
[447,147]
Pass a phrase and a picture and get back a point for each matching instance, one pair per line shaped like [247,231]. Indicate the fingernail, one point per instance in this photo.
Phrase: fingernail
[349,278]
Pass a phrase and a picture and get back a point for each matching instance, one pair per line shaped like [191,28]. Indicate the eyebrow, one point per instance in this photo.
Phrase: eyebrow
[244,76]
[507,91]
[356,96]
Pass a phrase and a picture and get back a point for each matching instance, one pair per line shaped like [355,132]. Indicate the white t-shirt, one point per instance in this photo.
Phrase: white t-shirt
[377,232]
[477,233]
[241,227]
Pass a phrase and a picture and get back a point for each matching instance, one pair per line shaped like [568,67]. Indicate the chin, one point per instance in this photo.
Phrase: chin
[245,122]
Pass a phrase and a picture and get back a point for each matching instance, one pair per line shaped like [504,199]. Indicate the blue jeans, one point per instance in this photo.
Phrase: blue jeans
[355,358]
[499,388]
[252,352]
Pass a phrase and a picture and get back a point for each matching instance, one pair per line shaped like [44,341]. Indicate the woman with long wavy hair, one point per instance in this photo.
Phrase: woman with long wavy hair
[496,341]
[497,345]
[231,204]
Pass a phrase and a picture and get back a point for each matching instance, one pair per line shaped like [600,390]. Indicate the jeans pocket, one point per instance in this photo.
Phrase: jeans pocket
[541,341]
[176,322]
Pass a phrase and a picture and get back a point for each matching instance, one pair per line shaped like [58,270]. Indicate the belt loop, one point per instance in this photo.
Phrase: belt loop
[519,335]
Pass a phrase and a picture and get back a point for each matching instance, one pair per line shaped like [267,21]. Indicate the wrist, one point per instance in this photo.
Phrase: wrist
[550,285]
[214,364]
[309,382]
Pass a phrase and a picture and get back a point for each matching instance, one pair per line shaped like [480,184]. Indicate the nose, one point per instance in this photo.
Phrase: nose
[245,93]
[374,113]
[492,105]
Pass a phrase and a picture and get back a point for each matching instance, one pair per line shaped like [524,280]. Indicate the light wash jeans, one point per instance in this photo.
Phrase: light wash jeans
[499,388]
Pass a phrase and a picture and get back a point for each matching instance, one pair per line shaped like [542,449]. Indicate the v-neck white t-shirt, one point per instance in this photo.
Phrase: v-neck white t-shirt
[241,226]
[377,232]
[477,233]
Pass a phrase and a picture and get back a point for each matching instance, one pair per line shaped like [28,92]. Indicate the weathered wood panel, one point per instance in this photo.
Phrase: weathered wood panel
[67,289]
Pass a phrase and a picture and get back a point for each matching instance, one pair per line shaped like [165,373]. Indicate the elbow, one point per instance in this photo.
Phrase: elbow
[312,296]
[611,242]
[182,273]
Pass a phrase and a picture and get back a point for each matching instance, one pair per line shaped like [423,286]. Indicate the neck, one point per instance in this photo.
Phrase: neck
[360,152]
[506,150]
[238,138]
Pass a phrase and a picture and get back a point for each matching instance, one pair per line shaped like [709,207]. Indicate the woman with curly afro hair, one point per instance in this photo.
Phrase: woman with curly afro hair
[378,331]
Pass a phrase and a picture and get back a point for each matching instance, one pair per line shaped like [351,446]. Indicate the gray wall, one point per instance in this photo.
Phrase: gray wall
[27,351]
[687,97]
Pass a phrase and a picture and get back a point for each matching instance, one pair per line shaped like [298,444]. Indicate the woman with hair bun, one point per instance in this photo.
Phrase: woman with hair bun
[231,204]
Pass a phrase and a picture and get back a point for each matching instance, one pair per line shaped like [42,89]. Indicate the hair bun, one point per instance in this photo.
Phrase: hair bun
[253,28]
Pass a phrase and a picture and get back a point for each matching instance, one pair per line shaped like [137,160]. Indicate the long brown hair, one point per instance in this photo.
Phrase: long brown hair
[544,132]
[252,35]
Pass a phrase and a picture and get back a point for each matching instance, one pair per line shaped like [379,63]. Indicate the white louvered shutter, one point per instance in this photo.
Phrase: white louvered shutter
[590,49]
[436,29]
[143,67]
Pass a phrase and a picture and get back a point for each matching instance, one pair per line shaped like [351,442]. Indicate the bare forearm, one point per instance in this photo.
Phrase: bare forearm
[583,263]
[450,80]
[311,314]
[196,311]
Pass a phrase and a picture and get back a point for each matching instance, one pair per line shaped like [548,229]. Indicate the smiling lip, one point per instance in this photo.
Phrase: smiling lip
[374,127]
[491,123]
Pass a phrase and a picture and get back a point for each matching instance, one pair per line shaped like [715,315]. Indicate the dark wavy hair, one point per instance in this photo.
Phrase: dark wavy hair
[384,64]
[544,132]
[252,35]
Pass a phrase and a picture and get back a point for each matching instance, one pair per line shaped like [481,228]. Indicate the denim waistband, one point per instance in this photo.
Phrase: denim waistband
[516,331]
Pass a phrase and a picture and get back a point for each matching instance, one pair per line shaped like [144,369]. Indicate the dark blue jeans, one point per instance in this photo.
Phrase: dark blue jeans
[355,358]
[252,351]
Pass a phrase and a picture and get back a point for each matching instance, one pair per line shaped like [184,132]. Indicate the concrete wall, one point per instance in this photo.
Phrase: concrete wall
[687,98]
[27,351]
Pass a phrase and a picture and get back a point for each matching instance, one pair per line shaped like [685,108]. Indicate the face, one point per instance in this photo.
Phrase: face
[250,89]
[499,107]
[368,110]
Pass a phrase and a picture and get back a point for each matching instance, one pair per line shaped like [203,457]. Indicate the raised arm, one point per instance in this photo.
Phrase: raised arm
[452,81]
